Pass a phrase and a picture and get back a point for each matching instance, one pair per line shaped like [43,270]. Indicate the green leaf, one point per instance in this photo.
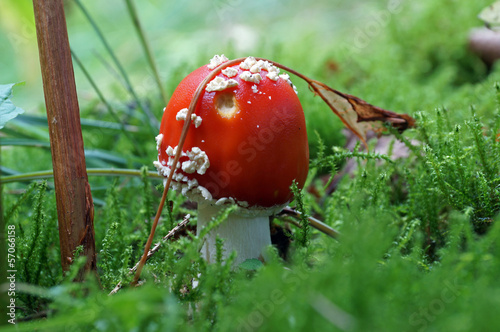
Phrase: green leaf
[491,16]
[8,141]
[41,120]
[8,110]
[251,264]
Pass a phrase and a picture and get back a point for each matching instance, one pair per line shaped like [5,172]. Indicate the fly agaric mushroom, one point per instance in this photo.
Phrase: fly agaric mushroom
[247,143]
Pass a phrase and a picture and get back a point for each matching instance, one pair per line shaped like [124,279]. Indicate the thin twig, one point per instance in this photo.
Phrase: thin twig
[320,226]
[170,234]
[155,249]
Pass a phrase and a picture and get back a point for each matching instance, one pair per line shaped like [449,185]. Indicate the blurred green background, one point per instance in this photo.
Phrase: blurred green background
[404,56]
[180,33]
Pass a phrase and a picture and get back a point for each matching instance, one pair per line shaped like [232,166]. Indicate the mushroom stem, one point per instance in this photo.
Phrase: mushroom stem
[247,235]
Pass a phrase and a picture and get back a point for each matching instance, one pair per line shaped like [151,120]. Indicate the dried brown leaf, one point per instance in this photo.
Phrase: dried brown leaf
[358,115]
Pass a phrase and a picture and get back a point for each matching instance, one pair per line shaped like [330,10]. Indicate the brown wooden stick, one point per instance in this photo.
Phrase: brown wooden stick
[75,207]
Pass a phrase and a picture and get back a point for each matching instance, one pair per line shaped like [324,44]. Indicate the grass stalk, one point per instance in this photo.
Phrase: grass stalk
[153,121]
[90,171]
[110,109]
[147,49]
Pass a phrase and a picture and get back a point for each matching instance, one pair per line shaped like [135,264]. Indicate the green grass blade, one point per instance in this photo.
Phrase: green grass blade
[110,109]
[19,128]
[90,171]
[105,156]
[147,49]
[85,123]
[153,121]
[9,141]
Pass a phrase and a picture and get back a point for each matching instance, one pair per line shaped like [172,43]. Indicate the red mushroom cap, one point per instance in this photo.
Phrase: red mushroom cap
[247,141]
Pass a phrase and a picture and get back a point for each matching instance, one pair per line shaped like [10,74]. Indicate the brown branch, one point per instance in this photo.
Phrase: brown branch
[75,207]
[155,249]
